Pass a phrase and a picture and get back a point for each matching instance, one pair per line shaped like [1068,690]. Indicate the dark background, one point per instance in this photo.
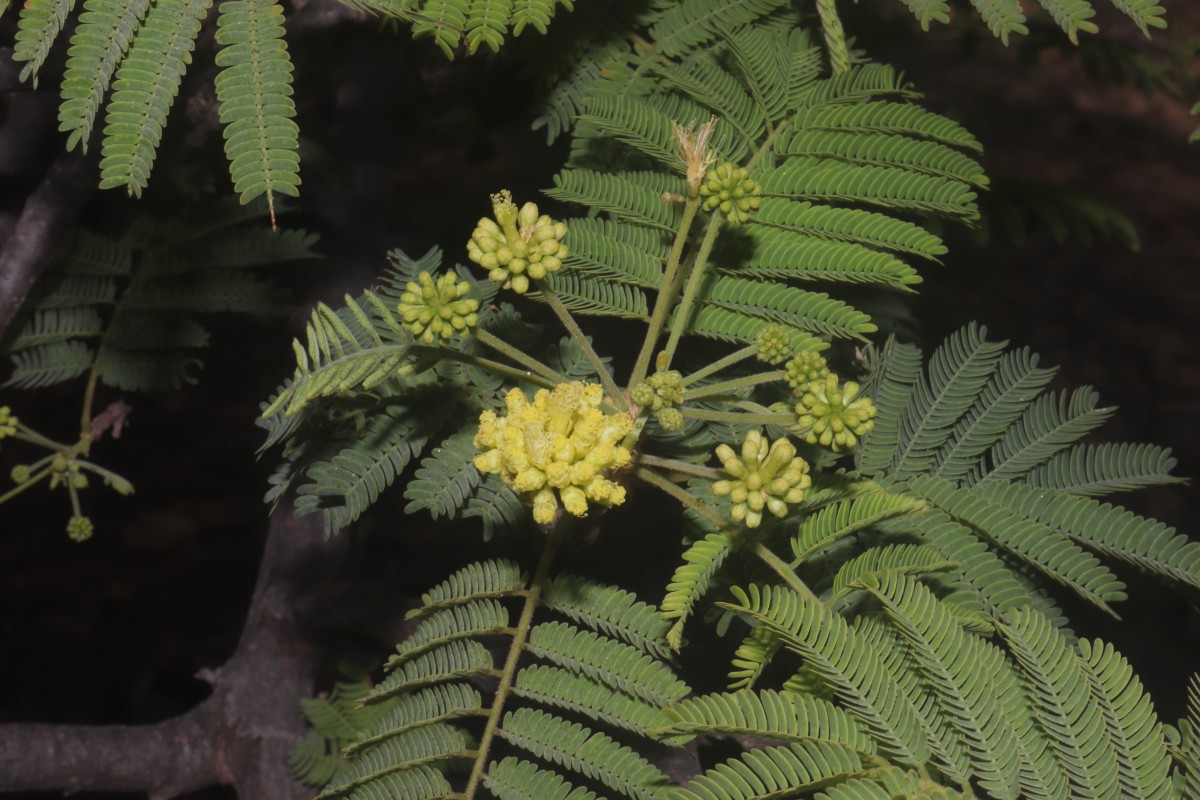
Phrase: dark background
[402,149]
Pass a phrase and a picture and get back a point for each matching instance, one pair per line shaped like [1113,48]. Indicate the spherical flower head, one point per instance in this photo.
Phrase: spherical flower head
[834,415]
[79,529]
[20,473]
[804,368]
[765,475]
[436,311]
[556,449]
[730,189]
[8,423]
[669,419]
[519,245]
[774,344]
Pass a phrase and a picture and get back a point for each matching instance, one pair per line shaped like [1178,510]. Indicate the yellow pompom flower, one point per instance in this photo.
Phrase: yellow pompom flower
[730,189]
[517,245]
[833,415]
[438,310]
[556,449]
[766,476]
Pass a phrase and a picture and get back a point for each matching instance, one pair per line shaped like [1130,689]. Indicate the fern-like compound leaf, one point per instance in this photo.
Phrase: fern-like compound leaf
[570,691]
[515,779]
[952,661]
[49,364]
[38,26]
[445,478]
[846,517]
[927,11]
[106,29]
[1060,691]
[405,762]
[956,374]
[1143,764]
[1100,469]
[345,485]
[691,580]
[441,703]
[456,660]
[1016,381]
[1072,16]
[637,197]
[777,716]
[851,225]
[609,610]
[1107,529]
[606,661]
[255,88]
[55,326]
[1188,773]
[692,22]
[336,720]
[471,620]
[616,251]
[584,294]
[897,371]
[1037,544]
[146,84]
[905,559]
[483,579]
[1002,17]
[774,772]
[846,662]
[579,749]
[813,312]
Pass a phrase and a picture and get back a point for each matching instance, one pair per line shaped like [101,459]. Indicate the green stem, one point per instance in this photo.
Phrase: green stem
[681,466]
[721,363]
[89,396]
[524,359]
[107,474]
[735,417]
[666,295]
[28,434]
[679,493]
[780,568]
[16,490]
[493,366]
[514,655]
[568,321]
[734,384]
[693,287]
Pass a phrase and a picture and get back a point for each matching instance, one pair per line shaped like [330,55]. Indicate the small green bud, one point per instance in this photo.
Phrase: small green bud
[729,189]
[642,394]
[804,368]
[119,484]
[774,344]
[79,480]
[8,422]
[79,529]
[20,473]
[669,419]
[437,311]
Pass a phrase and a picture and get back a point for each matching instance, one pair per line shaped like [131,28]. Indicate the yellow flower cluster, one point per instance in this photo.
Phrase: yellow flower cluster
[730,189]
[561,441]
[512,255]
[767,476]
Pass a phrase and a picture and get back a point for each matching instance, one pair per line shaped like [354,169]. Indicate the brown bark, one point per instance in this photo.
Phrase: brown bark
[240,736]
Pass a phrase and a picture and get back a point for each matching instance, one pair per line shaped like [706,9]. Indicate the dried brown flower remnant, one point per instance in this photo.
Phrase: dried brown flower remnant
[692,145]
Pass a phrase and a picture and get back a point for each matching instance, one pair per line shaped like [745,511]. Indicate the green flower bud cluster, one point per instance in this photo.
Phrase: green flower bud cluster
[8,423]
[805,368]
[774,344]
[662,392]
[833,415]
[518,245]
[20,473]
[79,529]
[767,476]
[730,189]
[437,311]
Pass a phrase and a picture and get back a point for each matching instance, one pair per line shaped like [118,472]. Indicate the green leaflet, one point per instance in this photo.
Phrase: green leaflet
[106,29]
[38,26]
[146,84]
[254,88]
